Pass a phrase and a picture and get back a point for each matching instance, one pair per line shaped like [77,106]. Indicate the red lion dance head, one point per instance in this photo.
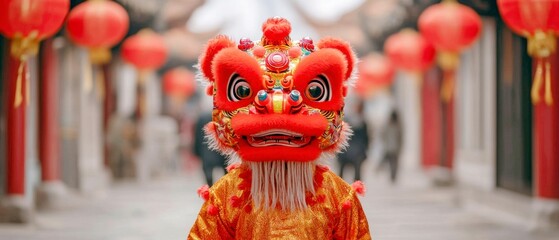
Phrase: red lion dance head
[277,99]
[278,103]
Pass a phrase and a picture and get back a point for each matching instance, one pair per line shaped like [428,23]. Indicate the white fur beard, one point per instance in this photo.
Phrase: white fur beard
[281,182]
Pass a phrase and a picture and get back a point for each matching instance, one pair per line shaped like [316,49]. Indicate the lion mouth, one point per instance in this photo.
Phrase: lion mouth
[278,137]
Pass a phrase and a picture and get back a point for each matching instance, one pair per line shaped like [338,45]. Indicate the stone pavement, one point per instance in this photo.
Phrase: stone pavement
[166,208]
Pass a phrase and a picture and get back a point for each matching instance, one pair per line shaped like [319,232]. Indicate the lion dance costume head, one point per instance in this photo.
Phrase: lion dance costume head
[278,107]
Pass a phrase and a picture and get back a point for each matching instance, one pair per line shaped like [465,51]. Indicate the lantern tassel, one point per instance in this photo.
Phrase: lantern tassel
[536,86]
[87,77]
[18,99]
[27,87]
[447,88]
[100,82]
[548,94]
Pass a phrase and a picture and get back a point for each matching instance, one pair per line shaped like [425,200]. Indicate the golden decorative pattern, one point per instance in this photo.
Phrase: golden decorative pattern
[226,216]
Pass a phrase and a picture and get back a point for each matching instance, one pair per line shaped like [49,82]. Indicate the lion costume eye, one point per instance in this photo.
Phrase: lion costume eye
[319,89]
[238,88]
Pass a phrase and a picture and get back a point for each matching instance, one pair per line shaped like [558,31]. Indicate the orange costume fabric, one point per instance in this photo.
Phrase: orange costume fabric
[278,113]
[333,213]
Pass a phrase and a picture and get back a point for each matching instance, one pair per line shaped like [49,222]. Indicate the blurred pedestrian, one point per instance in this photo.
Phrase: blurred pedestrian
[392,140]
[210,158]
[358,144]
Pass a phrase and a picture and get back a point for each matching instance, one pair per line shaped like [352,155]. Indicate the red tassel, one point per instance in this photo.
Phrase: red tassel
[346,205]
[358,187]
[235,201]
[212,210]
[204,192]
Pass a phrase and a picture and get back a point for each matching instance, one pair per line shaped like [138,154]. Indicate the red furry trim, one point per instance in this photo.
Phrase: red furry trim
[210,90]
[212,48]
[276,30]
[343,47]
[212,210]
[346,205]
[358,187]
[328,62]
[204,192]
[225,64]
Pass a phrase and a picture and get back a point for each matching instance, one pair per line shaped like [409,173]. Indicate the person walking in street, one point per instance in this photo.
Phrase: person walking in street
[392,139]
[358,144]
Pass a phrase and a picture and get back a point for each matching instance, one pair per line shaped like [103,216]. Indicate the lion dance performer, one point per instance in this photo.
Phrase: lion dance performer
[278,113]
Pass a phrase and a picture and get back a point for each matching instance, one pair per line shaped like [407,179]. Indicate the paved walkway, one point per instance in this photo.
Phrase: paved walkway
[166,209]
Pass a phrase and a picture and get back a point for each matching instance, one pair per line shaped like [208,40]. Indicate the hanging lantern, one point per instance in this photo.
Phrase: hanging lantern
[145,50]
[409,51]
[538,21]
[97,25]
[179,83]
[376,72]
[26,23]
[451,27]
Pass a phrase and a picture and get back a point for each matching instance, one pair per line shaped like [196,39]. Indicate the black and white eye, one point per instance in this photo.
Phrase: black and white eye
[238,88]
[319,89]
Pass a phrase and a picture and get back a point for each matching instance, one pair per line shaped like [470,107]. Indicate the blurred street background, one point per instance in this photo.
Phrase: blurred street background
[454,108]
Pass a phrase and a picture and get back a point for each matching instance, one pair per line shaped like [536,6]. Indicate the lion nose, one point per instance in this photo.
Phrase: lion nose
[278,102]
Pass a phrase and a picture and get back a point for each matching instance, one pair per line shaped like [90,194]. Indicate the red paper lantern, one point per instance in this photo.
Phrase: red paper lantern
[537,20]
[97,25]
[450,26]
[179,83]
[375,72]
[145,50]
[28,22]
[409,51]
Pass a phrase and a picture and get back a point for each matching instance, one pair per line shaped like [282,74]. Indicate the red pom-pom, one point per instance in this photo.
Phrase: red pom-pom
[358,187]
[214,46]
[235,201]
[310,201]
[276,29]
[346,205]
[294,52]
[212,210]
[210,90]
[232,167]
[248,208]
[259,51]
[321,198]
[204,192]
[322,168]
